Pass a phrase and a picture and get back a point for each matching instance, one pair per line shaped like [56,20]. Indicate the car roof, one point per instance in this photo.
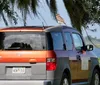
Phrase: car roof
[59,28]
[24,28]
[36,28]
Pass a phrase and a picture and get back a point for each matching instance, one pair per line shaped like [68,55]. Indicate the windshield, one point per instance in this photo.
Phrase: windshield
[22,41]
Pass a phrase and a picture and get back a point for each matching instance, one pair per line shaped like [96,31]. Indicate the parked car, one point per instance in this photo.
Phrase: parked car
[46,56]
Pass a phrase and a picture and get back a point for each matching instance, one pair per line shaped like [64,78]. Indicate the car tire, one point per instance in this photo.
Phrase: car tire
[95,78]
[65,80]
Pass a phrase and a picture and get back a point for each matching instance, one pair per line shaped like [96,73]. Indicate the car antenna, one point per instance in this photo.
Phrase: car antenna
[41,20]
[43,26]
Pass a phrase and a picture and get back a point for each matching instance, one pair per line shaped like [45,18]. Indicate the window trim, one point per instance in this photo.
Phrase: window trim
[62,40]
[80,37]
[29,33]
[71,39]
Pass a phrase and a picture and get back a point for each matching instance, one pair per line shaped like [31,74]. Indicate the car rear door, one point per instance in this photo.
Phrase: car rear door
[22,55]
[72,58]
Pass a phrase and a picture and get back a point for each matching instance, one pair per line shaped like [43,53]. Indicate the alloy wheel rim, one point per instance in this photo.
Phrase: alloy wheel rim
[96,79]
[65,82]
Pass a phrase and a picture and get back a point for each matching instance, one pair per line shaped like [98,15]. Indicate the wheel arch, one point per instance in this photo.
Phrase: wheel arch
[67,72]
[97,68]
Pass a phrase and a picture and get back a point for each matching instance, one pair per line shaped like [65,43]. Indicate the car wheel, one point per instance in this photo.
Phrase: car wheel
[95,78]
[65,80]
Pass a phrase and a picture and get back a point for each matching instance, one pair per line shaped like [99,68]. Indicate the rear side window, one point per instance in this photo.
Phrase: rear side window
[57,40]
[68,41]
[22,41]
[78,43]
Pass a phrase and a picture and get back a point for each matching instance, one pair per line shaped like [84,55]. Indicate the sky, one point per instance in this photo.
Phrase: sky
[47,19]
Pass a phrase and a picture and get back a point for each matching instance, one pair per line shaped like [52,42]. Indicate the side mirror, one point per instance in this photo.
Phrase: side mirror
[89,47]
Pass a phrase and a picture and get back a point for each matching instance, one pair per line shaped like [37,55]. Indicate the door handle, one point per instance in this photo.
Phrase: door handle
[78,57]
[32,61]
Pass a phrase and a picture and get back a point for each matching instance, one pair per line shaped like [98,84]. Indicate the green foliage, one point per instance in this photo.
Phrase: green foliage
[25,6]
[6,11]
[53,7]
[81,12]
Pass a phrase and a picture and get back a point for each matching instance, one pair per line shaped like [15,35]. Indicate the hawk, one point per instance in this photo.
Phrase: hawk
[60,19]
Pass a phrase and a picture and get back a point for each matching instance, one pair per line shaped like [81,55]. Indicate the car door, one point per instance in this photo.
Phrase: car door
[73,63]
[83,60]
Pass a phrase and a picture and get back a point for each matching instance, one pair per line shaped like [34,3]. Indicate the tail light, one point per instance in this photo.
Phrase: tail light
[51,64]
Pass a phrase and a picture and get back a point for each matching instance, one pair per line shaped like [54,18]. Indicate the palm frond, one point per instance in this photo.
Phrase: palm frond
[76,12]
[4,19]
[47,1]
[53,7]
[24,8]
[12,2]
[34,4]
[6,12]
[23,5]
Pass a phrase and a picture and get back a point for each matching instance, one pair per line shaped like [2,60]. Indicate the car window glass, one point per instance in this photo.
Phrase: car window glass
[22,41]
[77,41]
[57,40]
[68,41]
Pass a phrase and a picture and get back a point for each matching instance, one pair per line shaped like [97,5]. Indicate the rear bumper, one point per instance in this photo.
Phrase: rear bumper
[20,82]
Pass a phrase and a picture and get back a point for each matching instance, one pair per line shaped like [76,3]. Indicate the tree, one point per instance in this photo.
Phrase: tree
[81,12]
[5,11]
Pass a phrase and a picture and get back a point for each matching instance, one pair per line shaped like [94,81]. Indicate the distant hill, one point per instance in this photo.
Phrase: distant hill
[93,41]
